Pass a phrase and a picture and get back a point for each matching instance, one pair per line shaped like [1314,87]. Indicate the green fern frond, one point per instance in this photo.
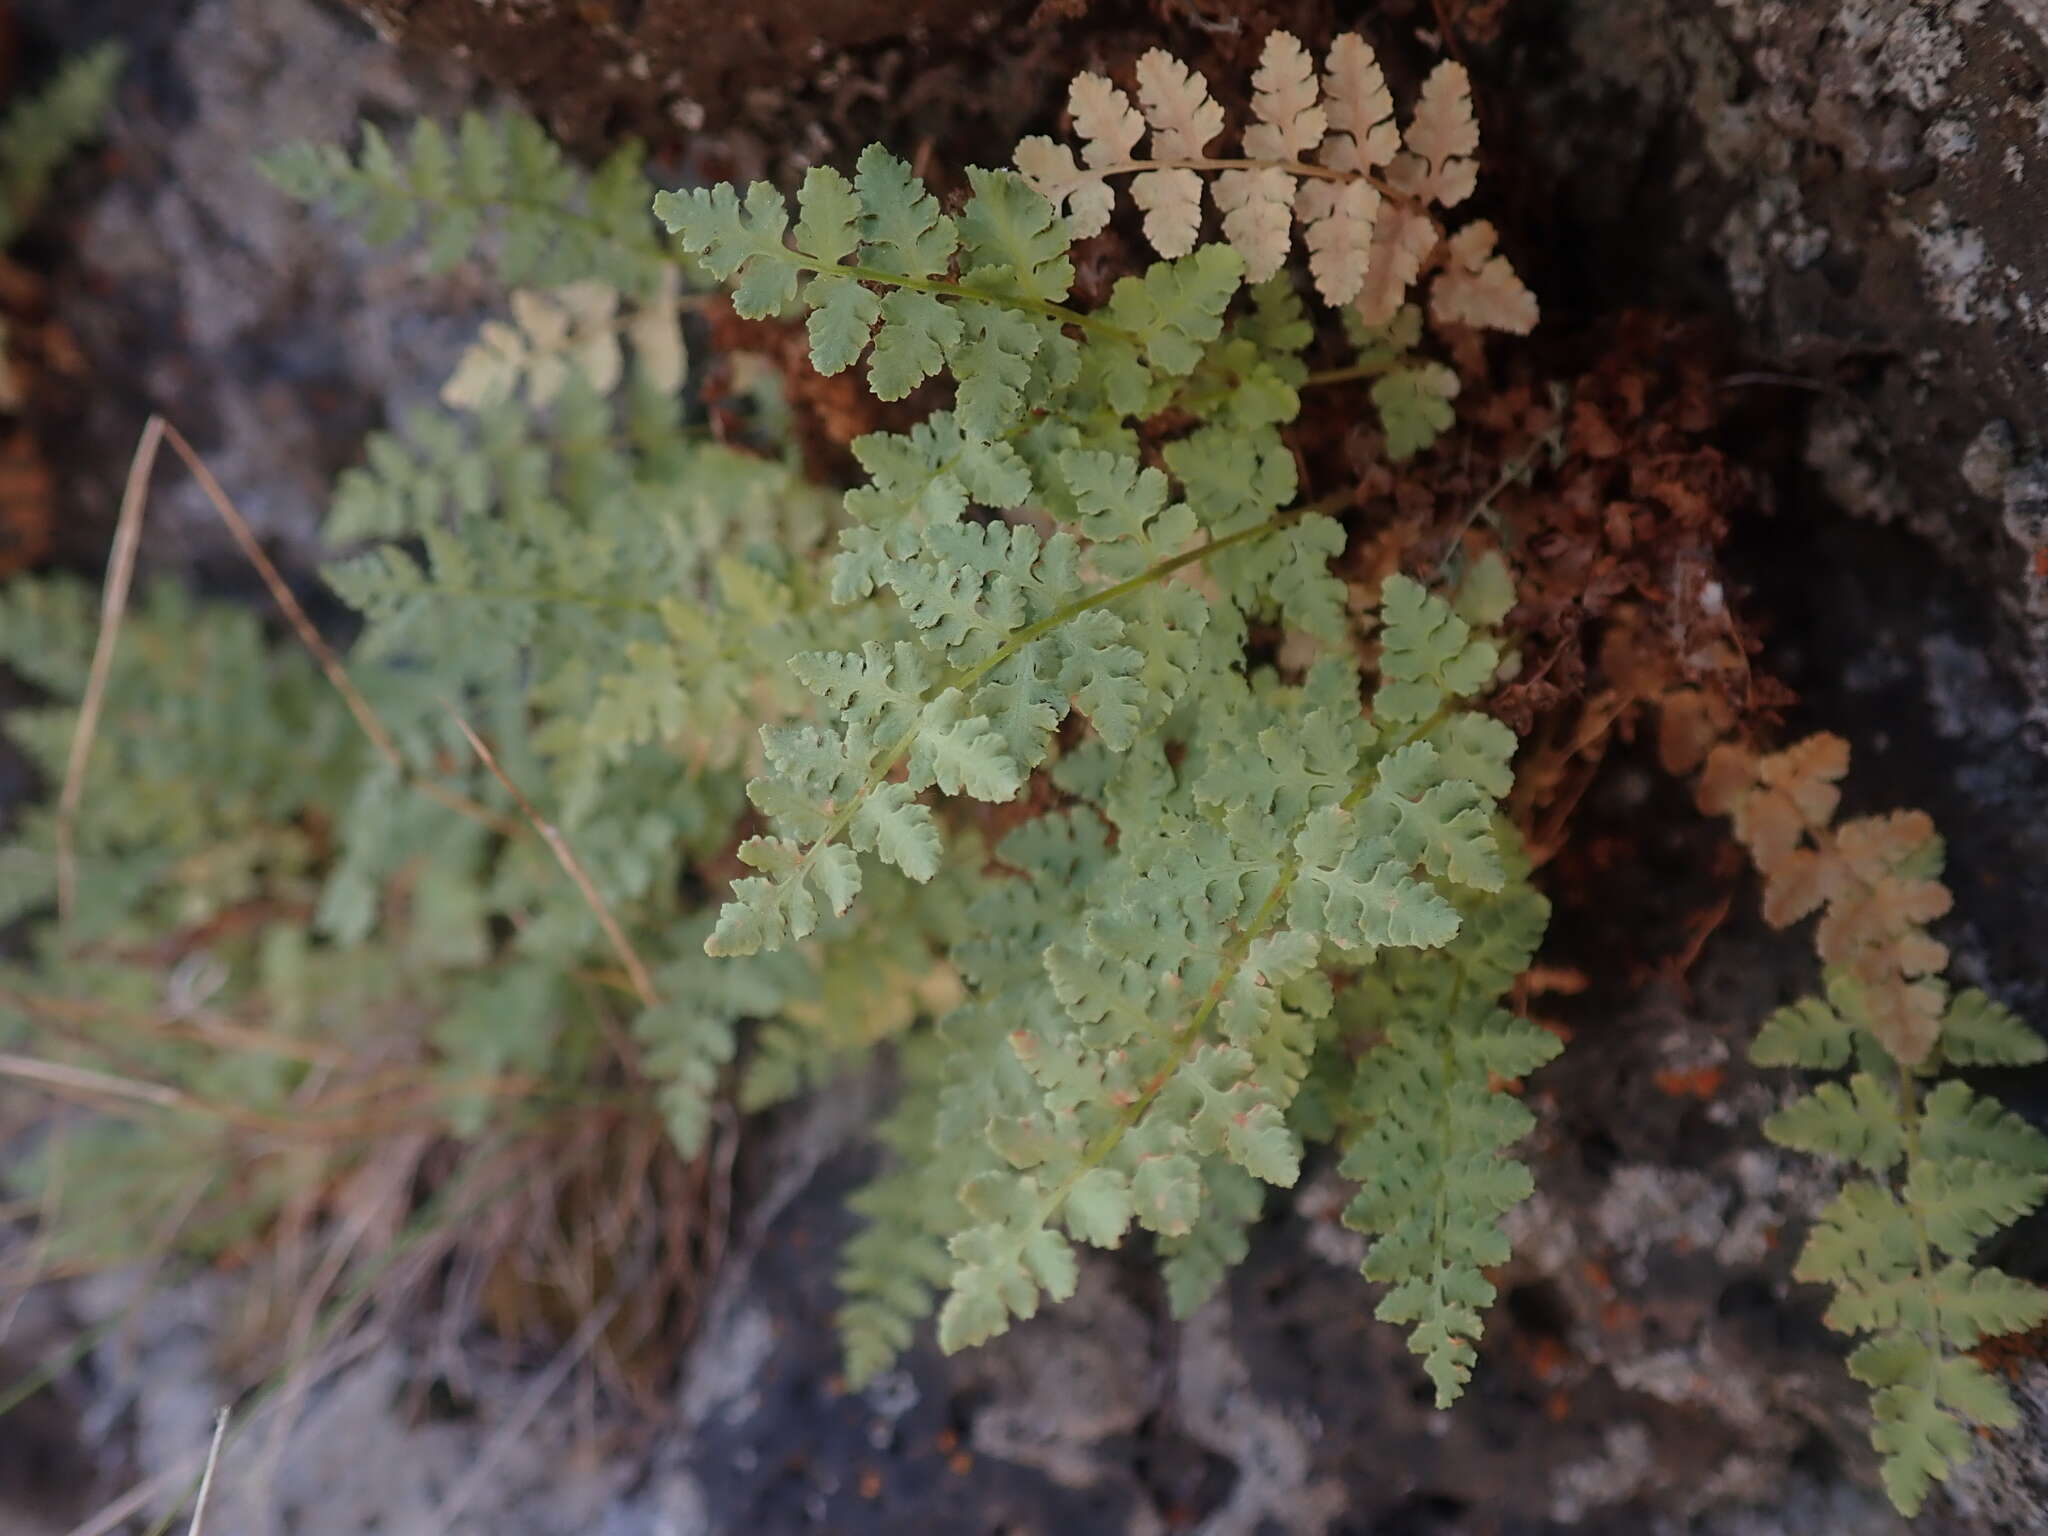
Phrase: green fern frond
[996,326]
[497,187]
[1943,1169]
[891,1271]
[1188,1003]
[1432,1123]
[1063,586]
[39,134]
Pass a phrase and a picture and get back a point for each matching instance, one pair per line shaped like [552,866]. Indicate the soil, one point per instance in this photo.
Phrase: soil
[1765,167]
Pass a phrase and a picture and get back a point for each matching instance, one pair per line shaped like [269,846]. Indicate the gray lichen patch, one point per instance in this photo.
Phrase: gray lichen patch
[1956,265]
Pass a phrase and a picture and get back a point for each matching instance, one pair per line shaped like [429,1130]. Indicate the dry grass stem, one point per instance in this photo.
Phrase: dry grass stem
[220,1430]
[114,604]
[95,1085]
[281,593]
[636,970]
[212,1028]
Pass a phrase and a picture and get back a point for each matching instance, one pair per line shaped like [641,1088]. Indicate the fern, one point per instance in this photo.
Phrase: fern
[1940,1167]
[1139,1015]
[893,1269]
[1060,760]
[1063,761]
[548,222]
[1151,1024]
[1434,1120]
[38,135]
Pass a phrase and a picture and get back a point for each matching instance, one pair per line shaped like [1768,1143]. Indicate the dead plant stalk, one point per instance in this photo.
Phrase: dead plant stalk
[558,845]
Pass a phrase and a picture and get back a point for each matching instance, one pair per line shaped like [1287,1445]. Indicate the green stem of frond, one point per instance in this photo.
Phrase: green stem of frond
[1044,307]
[1355,371]
[1509,474]
[1909,1120]
[1440,1210]
[1165,568]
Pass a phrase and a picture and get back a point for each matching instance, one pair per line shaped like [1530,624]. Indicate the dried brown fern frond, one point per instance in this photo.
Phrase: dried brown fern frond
[1323,153]
[1872,879]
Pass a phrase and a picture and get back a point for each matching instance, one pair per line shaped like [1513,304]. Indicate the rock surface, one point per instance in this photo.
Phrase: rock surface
[1865,184]
[197,289]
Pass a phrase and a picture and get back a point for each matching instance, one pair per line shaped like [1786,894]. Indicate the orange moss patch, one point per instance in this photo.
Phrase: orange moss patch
[2011,1355]
[1691,1082]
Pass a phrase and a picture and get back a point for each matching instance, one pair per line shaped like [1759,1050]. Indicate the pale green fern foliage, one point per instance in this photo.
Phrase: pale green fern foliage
[1152,973]
[1434,1123]
[1938,1168]
[1060,758]
[593,585]
[213,748]
[496,187]
[40,133]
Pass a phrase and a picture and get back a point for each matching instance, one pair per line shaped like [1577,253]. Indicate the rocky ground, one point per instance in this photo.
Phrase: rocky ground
[1849,190]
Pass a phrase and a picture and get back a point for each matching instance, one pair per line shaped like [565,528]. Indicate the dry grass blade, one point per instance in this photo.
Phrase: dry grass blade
[67,1013]
[636,970]
[395,1107]
[245,540]
[220,1430]
[49,1200]
[120,576]
[386,1182]
[84,1080]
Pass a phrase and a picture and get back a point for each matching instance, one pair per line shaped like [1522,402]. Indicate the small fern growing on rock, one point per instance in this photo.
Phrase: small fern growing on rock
[1938,1167]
